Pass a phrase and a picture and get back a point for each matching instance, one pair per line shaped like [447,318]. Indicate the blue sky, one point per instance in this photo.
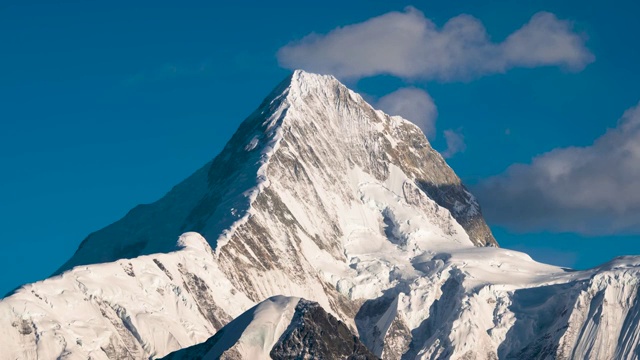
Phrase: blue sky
[105,105]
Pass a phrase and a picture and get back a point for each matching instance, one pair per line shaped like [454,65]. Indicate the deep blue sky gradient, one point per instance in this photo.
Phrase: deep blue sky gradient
[105,105]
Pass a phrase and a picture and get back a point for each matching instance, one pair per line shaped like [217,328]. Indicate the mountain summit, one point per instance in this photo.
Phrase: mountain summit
[320,213]
[308,138]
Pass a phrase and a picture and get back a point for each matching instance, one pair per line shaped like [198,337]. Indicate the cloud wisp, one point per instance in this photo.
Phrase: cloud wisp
[455,143]
[410,46]
[589,190]
[412,104]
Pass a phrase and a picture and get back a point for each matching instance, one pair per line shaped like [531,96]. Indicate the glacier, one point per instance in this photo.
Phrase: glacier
[319,196]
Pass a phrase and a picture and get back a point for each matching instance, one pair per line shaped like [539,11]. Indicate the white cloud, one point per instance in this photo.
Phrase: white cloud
[412,104]
[408,45]
[455,143]
[588,190]
[545,40]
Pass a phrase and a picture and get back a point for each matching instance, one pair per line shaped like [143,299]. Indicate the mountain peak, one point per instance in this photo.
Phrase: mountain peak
[312,133]
[301,77]
[303,82]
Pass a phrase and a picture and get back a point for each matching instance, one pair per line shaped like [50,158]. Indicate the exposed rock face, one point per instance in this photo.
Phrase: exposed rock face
[315,334]
[464,207]
[319,196]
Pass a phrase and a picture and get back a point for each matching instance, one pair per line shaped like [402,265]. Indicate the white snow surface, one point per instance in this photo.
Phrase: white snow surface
[254,333]
[318,196]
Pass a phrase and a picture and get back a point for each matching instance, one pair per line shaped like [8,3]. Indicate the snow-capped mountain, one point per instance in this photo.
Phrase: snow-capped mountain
[319,196]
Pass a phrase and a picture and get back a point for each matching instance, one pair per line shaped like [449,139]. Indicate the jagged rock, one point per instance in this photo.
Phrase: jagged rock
[315,334]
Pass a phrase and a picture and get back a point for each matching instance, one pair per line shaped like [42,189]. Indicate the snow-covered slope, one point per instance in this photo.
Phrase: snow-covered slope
[128,309]
[320,196]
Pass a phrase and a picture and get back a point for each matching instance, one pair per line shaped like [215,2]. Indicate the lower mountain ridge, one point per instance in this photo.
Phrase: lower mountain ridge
[324,229]
[281,328]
